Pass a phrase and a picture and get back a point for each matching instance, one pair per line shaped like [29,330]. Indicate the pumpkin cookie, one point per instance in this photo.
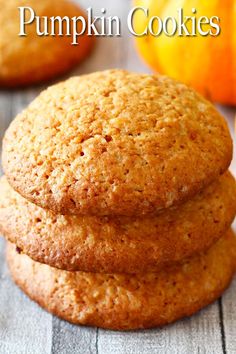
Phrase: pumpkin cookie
[115,143]
[32,59]
[128,301]
[118,244]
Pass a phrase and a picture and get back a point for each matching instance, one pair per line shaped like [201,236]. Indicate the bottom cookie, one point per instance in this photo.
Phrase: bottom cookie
[117,301]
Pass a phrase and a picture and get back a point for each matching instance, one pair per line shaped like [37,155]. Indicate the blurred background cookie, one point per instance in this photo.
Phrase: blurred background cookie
[32,58]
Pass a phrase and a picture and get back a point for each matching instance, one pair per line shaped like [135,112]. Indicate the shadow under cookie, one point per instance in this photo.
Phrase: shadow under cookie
[126,302]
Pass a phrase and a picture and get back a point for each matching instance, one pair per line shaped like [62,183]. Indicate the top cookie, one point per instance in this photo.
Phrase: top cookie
[31,59]
[115,142]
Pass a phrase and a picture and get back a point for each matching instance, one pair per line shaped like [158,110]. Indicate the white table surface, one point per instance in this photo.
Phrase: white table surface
[27,329]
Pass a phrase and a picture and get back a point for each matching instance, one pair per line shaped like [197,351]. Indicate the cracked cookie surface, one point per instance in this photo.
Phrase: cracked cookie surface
[115,143]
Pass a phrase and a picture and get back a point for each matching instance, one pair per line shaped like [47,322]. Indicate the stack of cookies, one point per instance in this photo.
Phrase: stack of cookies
[116,200]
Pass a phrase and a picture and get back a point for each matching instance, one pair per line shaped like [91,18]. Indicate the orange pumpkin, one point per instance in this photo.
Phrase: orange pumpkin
[207,63]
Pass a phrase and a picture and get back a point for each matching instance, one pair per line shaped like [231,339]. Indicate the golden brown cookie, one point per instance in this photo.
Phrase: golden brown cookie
[32,59]
[128,301]
[118,244]
[115,143]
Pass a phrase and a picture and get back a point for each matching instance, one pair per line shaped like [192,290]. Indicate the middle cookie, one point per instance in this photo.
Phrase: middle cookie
[118,244]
